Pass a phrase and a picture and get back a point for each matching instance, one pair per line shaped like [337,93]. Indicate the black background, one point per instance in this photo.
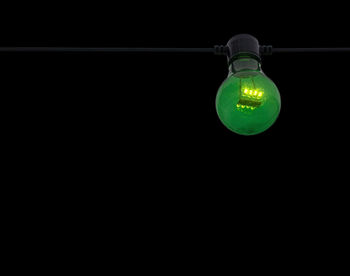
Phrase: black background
[137,135]
[156,112]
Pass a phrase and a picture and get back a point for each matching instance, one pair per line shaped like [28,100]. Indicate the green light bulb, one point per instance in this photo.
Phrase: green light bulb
[248,102]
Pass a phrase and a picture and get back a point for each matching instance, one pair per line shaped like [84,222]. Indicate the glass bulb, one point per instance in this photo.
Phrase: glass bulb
[248,102]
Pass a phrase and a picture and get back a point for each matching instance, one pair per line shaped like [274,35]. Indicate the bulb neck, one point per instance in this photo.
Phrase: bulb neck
[245,64]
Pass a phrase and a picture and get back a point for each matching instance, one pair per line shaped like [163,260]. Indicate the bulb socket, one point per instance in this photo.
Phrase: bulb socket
[243,45]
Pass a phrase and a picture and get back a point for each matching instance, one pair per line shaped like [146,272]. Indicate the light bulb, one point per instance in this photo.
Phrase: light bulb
[247,102]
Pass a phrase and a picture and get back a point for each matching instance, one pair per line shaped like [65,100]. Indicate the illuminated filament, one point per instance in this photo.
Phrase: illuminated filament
[249,99]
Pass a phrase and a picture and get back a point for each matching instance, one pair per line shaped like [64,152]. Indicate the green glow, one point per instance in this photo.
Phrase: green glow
[248,102]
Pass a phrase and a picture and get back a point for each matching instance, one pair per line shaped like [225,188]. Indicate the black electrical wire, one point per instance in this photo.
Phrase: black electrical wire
[105,50]
[310,50]
[218,50]
[269,50]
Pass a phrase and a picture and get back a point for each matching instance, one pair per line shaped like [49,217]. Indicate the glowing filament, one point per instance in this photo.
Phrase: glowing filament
[250,99]
[253,93]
